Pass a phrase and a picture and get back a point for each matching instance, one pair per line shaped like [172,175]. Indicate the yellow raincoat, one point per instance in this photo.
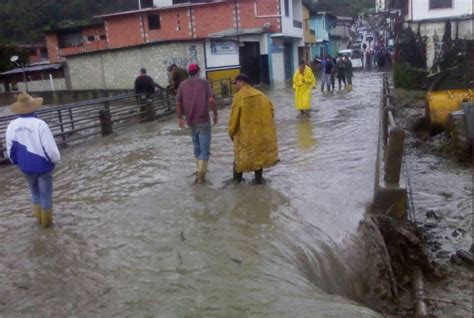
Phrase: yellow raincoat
[303,84]
[252,129]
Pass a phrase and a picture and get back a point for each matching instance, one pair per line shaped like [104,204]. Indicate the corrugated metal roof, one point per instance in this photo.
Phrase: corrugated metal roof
[35,68]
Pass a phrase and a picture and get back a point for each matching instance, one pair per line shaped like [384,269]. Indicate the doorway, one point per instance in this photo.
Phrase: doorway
[249,56]
[288,58]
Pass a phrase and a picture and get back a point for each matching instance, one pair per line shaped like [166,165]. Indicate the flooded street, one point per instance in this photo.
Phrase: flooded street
[134,236]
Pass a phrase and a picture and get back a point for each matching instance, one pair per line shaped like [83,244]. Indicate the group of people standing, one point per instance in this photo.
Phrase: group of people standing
[332,68]
[32,147]
[251,127]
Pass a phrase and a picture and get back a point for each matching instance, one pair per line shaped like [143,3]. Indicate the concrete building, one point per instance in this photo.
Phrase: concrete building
[323,23]
[260,38]
[74,39]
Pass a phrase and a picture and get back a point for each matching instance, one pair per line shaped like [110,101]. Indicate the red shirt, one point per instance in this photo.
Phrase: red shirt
[194,94]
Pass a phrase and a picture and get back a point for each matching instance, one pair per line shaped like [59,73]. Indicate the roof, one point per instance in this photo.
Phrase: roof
[74,26]
[176,6]
[35,68]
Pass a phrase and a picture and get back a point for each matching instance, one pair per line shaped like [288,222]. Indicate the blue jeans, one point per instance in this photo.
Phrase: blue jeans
[41,186]
[201,135]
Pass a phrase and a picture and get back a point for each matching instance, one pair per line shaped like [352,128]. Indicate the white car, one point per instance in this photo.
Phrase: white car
[354,55]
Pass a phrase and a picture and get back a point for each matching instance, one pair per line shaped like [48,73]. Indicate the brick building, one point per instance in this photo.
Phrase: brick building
[260,37]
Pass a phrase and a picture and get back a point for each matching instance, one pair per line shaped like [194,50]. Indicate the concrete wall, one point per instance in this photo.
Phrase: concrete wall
[420,10]
[118,69]
[44,85]
[434,31]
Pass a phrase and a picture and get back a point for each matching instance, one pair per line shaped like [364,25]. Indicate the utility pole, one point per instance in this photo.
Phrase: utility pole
[139,4]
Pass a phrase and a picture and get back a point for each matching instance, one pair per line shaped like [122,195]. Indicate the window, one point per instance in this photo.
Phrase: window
[103,37]
[90,38]
[441,4]
[73,39]
[287,8]
[154,22]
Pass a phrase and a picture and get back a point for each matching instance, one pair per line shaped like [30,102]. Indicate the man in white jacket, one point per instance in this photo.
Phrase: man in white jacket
[31,146]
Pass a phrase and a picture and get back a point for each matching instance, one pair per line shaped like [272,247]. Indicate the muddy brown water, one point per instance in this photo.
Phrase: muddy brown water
[134,236]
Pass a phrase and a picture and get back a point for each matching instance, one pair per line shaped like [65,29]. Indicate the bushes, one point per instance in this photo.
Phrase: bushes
[405,76]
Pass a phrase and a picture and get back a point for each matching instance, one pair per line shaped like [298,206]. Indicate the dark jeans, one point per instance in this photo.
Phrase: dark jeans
[238,176]
[341,78]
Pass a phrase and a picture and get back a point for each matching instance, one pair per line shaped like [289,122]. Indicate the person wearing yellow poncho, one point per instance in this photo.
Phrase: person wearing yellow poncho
[252,129]
[303,83]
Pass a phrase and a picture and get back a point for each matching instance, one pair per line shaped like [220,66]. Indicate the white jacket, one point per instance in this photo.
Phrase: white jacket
[31,145]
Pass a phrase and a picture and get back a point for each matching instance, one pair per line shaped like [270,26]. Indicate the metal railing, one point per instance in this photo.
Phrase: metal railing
[72,123]
[390,193]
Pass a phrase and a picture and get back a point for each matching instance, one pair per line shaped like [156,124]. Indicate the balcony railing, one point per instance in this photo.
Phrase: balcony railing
[297,24]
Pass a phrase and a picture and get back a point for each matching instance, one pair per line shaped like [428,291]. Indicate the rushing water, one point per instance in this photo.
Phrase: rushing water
[134,236]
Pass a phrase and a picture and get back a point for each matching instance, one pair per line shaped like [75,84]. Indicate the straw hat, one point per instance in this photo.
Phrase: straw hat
[25,104]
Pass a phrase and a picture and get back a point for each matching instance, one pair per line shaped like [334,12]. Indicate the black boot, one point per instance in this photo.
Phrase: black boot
[259,176]
[237,175]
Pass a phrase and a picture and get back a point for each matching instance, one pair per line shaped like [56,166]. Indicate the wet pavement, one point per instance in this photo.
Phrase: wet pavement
[134,236]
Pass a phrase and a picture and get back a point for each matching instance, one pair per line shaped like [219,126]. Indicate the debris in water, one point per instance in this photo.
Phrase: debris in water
[465,256]
[182,237]
[432,214]
[455,259]
[180,259]
[238,261]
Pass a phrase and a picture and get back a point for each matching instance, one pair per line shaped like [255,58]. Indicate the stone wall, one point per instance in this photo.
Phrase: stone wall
[117,69]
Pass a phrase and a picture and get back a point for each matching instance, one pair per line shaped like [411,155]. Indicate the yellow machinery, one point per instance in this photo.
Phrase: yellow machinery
[440,103]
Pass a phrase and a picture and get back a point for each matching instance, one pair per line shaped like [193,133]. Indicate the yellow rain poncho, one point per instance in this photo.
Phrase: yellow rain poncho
[252,129]
[303,84]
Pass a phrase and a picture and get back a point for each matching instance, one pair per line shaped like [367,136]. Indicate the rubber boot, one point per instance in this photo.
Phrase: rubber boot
[237,176]
[349,87]
[47,218]
[37,212]
[259,176]
[202,170]
[197,166]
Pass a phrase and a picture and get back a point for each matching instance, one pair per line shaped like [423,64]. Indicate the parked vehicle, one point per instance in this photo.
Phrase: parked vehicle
[355,56]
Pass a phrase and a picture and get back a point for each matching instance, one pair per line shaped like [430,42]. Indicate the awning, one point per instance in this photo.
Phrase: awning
[35,68]
[234,32]
[284,35]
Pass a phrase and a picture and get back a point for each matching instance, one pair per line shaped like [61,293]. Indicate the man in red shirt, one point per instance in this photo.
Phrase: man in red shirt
[194,99]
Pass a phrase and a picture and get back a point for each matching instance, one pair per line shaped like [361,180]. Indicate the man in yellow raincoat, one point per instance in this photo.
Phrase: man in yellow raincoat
[252,129]
[303,83]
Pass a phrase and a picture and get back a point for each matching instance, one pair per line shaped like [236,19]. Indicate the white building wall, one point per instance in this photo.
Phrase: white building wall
[434,31]
[420,10]
[380,5]
[278,68]
[296,13]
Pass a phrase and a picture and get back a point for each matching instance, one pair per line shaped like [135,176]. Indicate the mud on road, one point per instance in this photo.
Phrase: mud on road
[441,185]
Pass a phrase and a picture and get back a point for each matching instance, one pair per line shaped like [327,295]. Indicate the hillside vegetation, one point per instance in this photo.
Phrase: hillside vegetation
[24,21]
